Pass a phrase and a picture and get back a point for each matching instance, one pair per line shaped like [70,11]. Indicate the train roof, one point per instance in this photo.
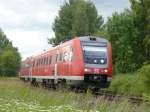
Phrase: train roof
[94,38]
[83,39]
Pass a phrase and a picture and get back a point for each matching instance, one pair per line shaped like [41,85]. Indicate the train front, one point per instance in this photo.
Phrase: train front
[97,55]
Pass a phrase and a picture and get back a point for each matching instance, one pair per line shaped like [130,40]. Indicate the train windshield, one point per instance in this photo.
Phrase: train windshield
[95,55]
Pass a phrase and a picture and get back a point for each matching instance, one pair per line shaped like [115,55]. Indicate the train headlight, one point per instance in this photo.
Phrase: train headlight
[87,70]
[105,70]
[102,61]
[95,61]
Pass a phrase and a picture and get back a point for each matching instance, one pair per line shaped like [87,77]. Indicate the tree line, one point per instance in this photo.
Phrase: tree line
[9,57]
[128,31]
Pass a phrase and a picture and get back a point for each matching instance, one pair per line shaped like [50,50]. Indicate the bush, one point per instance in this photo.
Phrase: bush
[144,73]
[127,84]
[137,83]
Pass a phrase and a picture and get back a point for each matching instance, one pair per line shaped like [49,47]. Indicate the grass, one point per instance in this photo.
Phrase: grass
[17,96]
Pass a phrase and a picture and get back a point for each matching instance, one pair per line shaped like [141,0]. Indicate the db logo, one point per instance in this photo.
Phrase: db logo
[96,71]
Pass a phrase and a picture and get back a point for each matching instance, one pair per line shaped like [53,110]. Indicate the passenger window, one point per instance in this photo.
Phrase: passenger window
[56,60]
[49,60]
[42,61]
[33,64]
[52,58]
[39,62]
[60,57]
[36,62]
[46,60]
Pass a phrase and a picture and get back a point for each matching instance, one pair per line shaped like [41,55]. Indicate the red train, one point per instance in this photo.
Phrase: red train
[82,62]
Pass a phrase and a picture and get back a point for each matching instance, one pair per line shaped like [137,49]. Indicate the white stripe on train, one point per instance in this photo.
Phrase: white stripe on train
[59,77]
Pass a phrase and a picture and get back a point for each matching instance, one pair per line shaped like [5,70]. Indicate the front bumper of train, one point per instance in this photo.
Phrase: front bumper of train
[97,77]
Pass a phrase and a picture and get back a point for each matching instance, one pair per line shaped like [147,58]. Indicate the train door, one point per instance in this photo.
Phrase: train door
[55,72]
[30,71]
[67,65]
[59,65]
[70,60]
[55,67]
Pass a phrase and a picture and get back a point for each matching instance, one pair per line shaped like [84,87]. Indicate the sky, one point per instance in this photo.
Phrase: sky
[28,23]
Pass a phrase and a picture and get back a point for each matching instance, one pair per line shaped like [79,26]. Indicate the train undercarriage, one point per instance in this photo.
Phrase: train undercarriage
[92,82]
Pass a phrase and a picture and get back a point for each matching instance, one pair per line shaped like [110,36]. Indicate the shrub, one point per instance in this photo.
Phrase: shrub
[127,84]
[144,73]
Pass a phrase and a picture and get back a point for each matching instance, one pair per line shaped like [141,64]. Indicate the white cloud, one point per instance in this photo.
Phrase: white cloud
[28,41]
[9,17]
[28,14]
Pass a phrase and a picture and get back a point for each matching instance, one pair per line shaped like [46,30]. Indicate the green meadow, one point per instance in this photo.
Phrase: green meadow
[18,96]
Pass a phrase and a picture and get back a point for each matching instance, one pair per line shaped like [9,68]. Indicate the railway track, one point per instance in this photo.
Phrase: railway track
[109,95]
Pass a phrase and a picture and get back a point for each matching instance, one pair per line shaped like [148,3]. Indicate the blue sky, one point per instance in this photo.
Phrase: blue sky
[28,23]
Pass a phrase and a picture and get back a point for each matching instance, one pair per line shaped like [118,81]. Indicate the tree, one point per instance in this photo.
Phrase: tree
[129,33]
[141,14]
[4,42]
[9,57]
[76,18]
[10,62]
[122,34]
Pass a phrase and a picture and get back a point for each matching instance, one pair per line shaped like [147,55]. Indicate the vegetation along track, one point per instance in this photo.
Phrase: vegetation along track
[104,93]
